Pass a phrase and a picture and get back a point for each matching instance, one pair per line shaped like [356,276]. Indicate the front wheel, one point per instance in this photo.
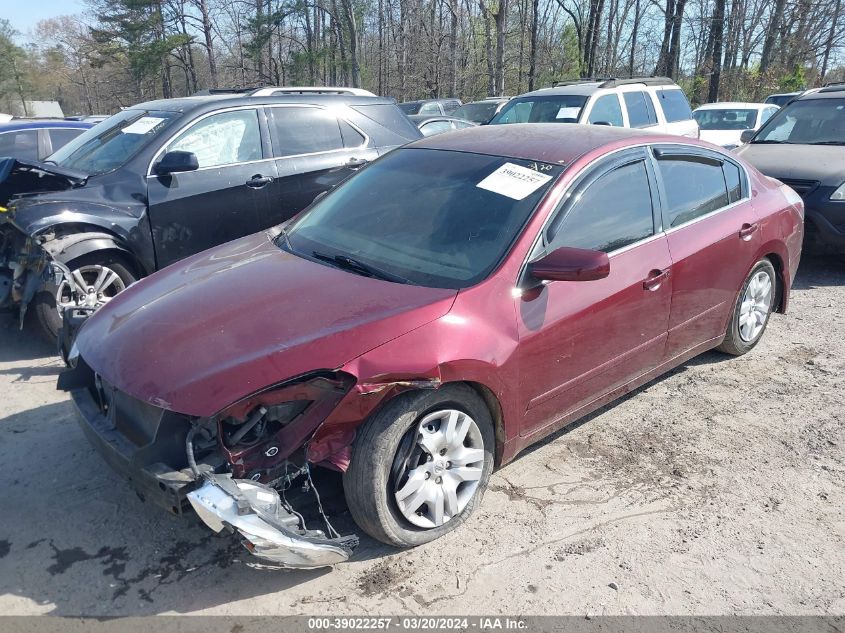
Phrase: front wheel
[753,308]
[101,276]
[420,465]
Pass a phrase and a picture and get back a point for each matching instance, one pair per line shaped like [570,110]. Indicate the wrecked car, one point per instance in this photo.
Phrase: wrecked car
[166,179]
[450,304]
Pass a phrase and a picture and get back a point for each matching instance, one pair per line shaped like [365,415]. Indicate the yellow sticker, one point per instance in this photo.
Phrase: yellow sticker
[3,209]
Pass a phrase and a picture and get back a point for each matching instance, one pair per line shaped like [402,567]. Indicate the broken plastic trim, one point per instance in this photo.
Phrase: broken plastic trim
[270,531]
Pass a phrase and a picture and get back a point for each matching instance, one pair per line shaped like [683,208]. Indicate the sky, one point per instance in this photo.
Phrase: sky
[25,14]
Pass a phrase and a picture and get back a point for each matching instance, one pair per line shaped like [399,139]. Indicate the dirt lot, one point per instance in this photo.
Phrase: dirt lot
[717,489]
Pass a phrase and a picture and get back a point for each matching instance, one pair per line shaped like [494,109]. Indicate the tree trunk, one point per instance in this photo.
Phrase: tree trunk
[716,66]
[771,35]
[634,32]
[532,50]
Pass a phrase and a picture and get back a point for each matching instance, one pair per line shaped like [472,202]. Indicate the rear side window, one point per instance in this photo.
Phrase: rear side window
[60,138]
[599,221]
[390,117]
[674,105]
[304,131]
[694,187]
[435,127]
[450,106]
[352,138]
[640,109]
[607,110]
[22,144]
[734,181]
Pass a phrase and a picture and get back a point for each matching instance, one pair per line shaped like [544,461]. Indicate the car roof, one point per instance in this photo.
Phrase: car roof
[423,118]
[431,100]
[585,89]
[747,105]
[559,143]
[34,124]
[213,101]
[829,92]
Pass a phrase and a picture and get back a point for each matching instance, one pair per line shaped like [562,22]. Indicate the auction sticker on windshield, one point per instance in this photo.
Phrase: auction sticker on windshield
[514,181]
[142,125]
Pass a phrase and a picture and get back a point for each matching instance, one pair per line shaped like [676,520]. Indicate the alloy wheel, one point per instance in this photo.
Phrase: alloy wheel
[99,284]
[440,471]
[755,307]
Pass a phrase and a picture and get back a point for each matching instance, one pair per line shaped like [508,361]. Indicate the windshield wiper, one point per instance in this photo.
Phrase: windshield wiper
[356,266]
[771,142]
[827,143]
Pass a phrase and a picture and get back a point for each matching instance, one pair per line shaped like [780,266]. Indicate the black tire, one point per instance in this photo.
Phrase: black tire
[44,304]
[367,483]
[734,344]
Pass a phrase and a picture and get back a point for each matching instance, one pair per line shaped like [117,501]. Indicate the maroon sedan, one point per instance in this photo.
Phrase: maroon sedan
[418,326]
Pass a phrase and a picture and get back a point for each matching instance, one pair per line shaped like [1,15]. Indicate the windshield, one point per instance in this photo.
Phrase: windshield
[477,112]
[807,122]
[412,107]
[542,109]
[727,119]
[430,217]
[111,143]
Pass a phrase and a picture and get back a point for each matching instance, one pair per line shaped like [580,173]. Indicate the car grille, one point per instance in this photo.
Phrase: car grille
[802,187]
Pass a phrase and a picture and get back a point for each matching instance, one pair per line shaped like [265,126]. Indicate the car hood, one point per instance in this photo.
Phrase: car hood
[18,176]
[825,163]
[721,137]
[218,326]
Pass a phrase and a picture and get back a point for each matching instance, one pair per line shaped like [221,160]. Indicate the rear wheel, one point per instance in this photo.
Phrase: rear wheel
[753,308]
[420,465]
[101,275]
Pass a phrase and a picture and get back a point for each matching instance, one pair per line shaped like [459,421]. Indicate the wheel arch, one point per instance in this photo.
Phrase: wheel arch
[781,293]
[70,243]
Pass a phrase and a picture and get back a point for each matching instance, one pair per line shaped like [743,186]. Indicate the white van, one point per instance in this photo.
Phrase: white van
[653,103]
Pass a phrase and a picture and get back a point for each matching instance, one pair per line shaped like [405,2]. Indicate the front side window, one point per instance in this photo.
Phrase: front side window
[20,144]
[542,109]
[477,112]
[807,122]
[726,119]
[222,139]
[674,105]
[640,109]
[302,130]
[607,111]
[694,187]
[110,144]
[410,107]
[614,211]
[449,219]
[767,114]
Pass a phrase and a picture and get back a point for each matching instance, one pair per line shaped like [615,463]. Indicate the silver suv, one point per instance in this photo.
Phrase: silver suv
[654,103]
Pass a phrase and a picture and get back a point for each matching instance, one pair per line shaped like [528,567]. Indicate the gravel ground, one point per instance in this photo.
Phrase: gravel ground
[717,489]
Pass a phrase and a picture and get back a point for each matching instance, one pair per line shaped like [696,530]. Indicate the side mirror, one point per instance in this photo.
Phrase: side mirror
[570,264]
[746,135]
[175,162]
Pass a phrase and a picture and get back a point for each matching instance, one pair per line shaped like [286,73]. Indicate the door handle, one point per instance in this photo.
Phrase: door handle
[655,278]
[747,231]
[258,181]
[356,163]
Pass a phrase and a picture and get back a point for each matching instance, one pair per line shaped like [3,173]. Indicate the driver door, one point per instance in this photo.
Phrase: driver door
[226,198]
[580,340]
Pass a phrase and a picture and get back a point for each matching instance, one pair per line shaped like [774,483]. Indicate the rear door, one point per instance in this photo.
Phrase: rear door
[713,236]
[226,198]
[314,150]
[676,113]
[580,340]
[640,109]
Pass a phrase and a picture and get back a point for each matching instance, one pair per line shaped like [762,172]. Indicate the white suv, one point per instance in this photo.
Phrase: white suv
[654,103]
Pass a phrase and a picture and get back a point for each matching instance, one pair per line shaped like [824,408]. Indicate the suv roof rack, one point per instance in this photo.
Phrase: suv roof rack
[833,86]
[613,82]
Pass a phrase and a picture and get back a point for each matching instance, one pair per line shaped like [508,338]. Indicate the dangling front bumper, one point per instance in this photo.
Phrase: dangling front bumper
[270,531]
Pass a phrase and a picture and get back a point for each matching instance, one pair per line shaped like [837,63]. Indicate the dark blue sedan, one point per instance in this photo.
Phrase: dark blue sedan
[35,140]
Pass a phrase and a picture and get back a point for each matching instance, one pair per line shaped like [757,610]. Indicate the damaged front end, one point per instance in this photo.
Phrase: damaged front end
[233,469]
[25,266]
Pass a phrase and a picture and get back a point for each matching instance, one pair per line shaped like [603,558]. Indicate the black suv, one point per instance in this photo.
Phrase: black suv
[166,179]
[803,146]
